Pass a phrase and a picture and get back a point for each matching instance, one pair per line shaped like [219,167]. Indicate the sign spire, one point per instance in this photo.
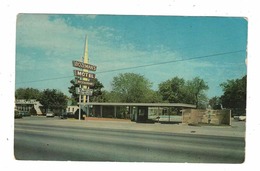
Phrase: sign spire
[85,78]
[85,60]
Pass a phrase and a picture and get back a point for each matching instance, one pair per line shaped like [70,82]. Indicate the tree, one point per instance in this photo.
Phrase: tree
[27,93]
[97,91]
[215,102]
[53,99]
[234,93]
[172,90]
[111,96]
[153,97]
[177,90]
[196,88]
[72,91]
[131,88]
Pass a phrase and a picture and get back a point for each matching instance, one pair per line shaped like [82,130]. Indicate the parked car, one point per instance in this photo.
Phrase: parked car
[25,114]
[242,118]
[50,114]
[64,115]
[17,114]
[70,114]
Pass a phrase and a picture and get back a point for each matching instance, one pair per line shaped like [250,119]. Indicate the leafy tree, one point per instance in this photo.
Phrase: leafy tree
[196,88]
[153,97]
[177,90]
[234,93]
[97,91]
[131,87]
[53,99]
[72,91]
[172,90]
[215,102]
[111,96]
[27,93]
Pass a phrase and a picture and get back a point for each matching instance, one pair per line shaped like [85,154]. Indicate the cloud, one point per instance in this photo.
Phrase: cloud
[52,44]
[37,31]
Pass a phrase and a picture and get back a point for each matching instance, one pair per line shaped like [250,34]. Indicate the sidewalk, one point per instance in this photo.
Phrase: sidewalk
[237,129]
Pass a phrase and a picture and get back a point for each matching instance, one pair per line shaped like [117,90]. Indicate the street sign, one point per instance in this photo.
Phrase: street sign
[82,91]
[82,82]
[87,92]
[82,65]
[84,74]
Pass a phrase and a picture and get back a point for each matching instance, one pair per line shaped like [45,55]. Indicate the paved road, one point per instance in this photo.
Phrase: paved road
[52,139]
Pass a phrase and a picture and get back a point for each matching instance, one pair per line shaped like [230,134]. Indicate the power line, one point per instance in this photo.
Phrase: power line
[47,79]
[173,61]
[140,66]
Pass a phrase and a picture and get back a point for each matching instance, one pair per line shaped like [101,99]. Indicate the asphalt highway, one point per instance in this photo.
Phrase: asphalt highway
[65,140]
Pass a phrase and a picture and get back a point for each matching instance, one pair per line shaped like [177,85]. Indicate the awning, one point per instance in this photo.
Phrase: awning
[140,104]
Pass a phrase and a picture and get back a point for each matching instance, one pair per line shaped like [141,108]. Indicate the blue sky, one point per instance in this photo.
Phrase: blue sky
[213,48]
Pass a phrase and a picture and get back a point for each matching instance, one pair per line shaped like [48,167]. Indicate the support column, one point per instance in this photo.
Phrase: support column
[101,111]
[130,112]
[79,106]
[114,111]
[168,111]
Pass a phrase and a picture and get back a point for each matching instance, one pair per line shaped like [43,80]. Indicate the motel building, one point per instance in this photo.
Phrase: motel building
[28,107]
[137,112]
[158,112]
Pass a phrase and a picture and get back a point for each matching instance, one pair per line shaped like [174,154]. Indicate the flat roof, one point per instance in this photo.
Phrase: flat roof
[141,104]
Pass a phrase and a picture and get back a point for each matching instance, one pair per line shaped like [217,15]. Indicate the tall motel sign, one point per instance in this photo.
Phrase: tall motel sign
[84,78]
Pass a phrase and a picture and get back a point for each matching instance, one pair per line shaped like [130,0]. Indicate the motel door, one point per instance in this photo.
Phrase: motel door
[142,115]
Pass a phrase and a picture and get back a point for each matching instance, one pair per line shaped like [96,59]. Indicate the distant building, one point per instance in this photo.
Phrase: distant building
[31,106]
[72,109]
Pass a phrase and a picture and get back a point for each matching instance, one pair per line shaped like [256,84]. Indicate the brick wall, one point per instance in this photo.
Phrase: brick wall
[202,116]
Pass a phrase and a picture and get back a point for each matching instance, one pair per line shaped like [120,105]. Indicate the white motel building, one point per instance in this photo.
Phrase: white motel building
[24,105]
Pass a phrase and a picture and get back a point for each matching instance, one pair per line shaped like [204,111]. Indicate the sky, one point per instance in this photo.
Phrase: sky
[157,47]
